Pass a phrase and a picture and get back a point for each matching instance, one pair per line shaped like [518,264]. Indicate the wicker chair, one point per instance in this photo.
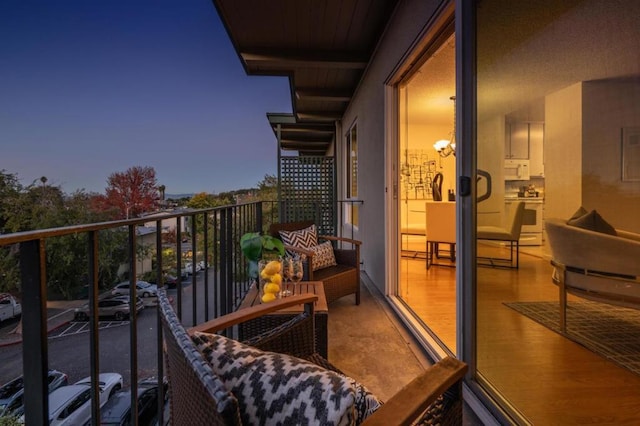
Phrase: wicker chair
[340,280]
[198,396]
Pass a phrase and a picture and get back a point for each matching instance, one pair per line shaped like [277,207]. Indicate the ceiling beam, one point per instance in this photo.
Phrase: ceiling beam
[308,130]
[323,95]
[324,116]
[278,59]
[305,141]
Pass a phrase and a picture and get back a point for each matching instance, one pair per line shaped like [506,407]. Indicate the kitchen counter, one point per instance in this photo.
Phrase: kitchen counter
[525,199]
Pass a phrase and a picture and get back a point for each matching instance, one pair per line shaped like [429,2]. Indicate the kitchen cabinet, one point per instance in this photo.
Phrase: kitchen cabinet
[517,141]
[525,141]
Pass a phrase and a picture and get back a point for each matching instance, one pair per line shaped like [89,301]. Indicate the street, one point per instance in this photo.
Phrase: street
[69,345]
[69,353]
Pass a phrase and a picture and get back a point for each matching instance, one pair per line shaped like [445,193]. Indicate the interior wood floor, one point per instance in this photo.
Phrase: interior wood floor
[548,378]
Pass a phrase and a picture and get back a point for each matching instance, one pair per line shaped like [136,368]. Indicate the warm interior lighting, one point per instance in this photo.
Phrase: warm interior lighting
[446,147]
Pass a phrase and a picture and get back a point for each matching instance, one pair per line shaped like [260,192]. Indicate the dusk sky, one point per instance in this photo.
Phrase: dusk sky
[89,88]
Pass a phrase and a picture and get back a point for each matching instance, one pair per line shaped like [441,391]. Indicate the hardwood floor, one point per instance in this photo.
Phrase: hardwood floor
[548,378]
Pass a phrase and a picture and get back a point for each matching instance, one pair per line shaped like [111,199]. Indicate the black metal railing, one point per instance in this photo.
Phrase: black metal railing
[210,235]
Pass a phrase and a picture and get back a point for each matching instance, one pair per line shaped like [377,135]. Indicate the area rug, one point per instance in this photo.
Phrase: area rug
[609,331]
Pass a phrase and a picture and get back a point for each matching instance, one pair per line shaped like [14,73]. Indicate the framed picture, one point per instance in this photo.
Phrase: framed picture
[630,154]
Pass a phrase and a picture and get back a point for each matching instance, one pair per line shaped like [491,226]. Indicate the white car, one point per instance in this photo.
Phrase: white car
[71,405]
[109,384]
[144,289]
[188,268]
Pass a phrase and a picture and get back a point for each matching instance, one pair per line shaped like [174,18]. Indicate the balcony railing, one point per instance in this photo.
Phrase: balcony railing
[212,234]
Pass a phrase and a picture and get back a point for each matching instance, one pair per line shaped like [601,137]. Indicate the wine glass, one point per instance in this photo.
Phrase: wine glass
[287,272]
[297,270]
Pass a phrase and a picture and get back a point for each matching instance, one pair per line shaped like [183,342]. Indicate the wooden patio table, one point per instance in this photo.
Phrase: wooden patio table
[260,325]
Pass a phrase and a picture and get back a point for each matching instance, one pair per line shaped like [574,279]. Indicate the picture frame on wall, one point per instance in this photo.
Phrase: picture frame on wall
[631,154]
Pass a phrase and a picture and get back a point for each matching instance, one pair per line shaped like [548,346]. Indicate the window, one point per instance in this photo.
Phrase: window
[351,210]
[77,402]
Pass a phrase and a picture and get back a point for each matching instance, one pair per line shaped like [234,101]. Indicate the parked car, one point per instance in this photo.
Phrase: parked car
[109,383]
[116,307]
[11,394]
[187,268]
[71,405]
[9,307]
[171,281]
[144,289]
[117,411]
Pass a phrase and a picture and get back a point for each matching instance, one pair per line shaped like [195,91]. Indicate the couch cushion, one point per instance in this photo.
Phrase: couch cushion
[592,221]
[323,256]
[273,388]
[302,238]
[580,212]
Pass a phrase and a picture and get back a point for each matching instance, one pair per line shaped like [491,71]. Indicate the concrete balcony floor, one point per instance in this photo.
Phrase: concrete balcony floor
[369,343]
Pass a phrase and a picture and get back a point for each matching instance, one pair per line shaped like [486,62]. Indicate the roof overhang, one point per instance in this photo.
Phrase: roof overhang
[322,46]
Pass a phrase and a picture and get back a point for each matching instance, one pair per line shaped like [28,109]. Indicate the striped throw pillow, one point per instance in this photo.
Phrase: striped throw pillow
[302,238]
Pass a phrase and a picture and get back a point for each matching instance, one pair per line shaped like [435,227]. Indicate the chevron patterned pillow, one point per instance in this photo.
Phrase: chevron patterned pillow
[273,388]
[302,238]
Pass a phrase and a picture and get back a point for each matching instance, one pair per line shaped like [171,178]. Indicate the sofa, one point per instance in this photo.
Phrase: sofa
[594,261]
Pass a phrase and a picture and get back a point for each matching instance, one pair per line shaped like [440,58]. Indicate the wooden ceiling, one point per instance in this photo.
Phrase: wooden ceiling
[322,46]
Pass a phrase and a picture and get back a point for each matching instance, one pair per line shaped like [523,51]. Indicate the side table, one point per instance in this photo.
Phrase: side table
[260,325]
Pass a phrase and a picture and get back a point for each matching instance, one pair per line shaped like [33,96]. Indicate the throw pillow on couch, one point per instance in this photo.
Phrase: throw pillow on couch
[302,238]
[591,221]
[307,238]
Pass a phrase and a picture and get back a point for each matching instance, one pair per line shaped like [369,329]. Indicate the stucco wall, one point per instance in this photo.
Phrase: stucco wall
[367,109]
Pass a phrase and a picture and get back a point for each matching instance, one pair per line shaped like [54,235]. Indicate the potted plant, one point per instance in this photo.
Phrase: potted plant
[255,246]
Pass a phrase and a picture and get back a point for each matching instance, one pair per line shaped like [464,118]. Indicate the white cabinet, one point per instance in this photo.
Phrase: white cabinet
[517,141]
[524,141]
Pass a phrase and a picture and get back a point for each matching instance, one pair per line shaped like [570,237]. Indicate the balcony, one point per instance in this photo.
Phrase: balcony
[50,338]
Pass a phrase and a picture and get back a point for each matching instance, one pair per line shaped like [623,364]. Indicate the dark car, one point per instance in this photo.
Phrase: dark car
[117,411]
[171,281]
[116,307]
[11,394]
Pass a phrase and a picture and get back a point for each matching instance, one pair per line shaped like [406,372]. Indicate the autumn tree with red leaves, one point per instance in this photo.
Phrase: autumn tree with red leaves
[132,192]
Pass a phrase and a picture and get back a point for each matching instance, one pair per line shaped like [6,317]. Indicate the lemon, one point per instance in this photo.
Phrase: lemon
[271,268]
[271,288]
[268,297]
[265,276]
[276,279]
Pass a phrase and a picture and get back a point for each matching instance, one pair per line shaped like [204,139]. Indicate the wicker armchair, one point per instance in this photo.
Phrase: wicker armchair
[340,280]
[198,396]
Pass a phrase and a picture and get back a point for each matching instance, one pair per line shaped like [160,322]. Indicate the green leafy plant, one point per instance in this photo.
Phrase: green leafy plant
[255,247]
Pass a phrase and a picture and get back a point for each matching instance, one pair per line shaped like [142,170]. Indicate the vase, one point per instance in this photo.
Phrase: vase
[269,279]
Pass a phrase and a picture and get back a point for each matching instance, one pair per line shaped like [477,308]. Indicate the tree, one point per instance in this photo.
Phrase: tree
[268,193]
[130,193]
[10,189]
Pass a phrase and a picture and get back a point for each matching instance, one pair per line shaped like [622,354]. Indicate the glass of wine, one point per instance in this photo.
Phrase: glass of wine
[287,272]
[297,270]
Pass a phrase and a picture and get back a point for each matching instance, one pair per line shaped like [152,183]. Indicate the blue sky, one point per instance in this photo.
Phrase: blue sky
[89,88]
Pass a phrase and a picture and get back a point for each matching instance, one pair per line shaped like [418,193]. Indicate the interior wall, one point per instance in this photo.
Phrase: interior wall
[608,106]
[563,152]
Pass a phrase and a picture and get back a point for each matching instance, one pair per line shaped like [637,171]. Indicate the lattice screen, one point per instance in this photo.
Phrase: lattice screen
[307,191]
